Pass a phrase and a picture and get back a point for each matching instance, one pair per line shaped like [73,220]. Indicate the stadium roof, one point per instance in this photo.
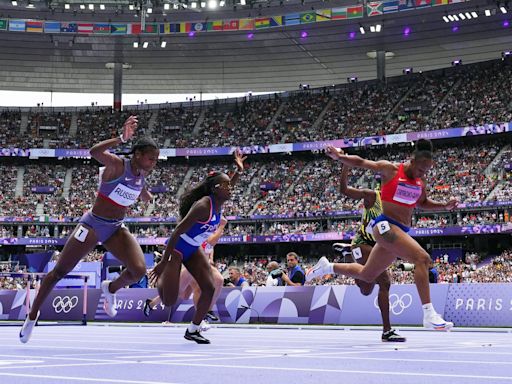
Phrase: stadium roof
[273,59]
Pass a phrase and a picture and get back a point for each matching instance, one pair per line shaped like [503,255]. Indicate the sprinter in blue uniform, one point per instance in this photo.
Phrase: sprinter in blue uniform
[200,212]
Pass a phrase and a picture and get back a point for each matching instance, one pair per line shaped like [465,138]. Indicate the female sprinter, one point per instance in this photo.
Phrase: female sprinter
[200,212]
[121,183]
[403,189]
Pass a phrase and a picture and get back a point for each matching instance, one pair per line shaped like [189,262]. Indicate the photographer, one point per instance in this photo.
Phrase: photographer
[236,279]
[295,275]
[275,274]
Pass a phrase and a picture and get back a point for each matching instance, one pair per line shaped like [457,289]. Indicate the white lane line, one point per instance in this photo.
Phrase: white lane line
[400,359]
[89,364]
[385,373]
[75,378]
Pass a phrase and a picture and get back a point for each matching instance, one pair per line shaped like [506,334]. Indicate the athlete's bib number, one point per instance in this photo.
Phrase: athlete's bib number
[81,234]
[383,227]
[356,252]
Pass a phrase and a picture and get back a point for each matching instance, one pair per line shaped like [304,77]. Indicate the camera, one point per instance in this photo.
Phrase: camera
[227,281]
[276,273]
[406,267]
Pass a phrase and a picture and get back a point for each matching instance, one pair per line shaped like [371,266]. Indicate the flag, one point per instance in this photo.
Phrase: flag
[262,22]
[3,25]
[151,28]
[118,29]
[307,17]
[85,27]
[405,5]
[68,27]
[231,25]
[276,21]
[34,26]
[198,27]
[51,26]
[355,12]
[390,6]
[339,13]
[133,29]
[215,25]
[435,3]
[17,25]
[185,27]
[422,3]
[102,28]
[323,15]
[165,28]
[375,8]
[246,24]
[291,19]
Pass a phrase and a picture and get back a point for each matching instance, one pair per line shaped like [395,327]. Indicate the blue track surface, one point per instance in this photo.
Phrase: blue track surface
[157,354]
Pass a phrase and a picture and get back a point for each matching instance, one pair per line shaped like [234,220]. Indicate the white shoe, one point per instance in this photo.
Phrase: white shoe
[110,299]
[436,322]
[318,269]
[26,329]
[204,326]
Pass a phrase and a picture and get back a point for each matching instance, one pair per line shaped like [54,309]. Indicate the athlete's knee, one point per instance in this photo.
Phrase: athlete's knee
[423,259]
[218,280]
[137,270]
[366,288]
[384,282]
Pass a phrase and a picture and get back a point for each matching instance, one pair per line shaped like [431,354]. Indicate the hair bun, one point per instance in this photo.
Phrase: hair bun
[424,145]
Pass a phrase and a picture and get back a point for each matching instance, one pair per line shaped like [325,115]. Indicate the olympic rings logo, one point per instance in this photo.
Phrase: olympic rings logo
[397,304]
[64,304]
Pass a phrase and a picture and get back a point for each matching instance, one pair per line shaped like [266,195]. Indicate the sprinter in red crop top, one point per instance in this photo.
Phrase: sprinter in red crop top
[403,189]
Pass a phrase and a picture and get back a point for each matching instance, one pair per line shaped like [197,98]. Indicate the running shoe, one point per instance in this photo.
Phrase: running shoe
[436,322]
[109,305]
[210,316]
[392,337]
[26,329]
[196,336]
[318,269]
[147,308]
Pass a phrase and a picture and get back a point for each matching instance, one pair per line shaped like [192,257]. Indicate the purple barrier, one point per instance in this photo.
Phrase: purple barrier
[472,305]
[404,305]
[92,269]
[464,304]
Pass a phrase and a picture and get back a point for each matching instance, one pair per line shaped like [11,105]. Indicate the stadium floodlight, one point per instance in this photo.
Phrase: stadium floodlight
[461,16]
[163,44]
[468,15]
[222,3]
[378,28]
[14,3]
[455,17]
[451,18]
[82,6]
[203,4]
[150,10]
[362,30]
[446,19]
[212,4]
[474,14]
[487,12]
[193,5]
[352,79]
[102,7]
[372,28]
[135,44]
[91,7]
[503,9]
[407,71]
[456,63]
[131,7]
[145,44]
[167,6]
[242,2]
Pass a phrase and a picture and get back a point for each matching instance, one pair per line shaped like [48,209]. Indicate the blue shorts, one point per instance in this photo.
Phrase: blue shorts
[186,249]
[103,228]
[383,217]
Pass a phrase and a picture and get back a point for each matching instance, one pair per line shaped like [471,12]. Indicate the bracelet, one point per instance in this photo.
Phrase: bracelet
[121,138]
